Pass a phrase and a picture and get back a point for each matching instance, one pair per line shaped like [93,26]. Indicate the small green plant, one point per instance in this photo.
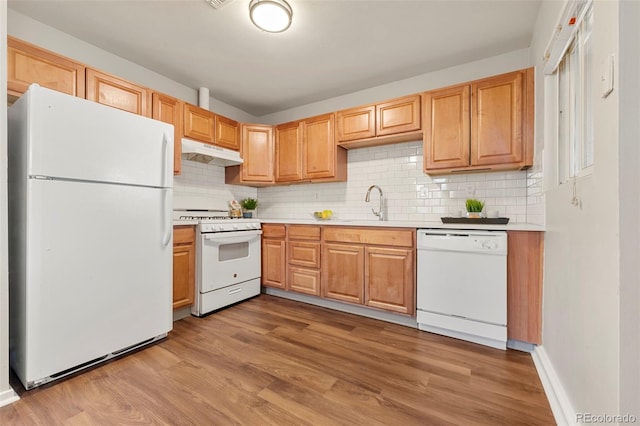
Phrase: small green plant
[249,203]
[474,206]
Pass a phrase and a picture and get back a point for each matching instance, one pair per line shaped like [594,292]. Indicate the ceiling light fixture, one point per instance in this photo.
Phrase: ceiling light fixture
[273,16]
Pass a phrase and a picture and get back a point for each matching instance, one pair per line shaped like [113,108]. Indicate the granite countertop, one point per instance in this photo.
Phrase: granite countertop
[407,224]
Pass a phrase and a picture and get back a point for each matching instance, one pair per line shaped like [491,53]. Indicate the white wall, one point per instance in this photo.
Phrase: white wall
[629,175]
[6,393]
[32,31]
[466,72]
[204,180]
[582,277]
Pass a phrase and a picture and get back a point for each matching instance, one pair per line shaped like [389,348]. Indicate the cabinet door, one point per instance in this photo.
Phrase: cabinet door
[304,253]
[289,152]
[446,128]
[398,116]
[227,133]
[343,272]
[304,280]
[169,110]
[184,266]
[198,123]
[273,263]
[390,279]
[497,120]
[257,153]
[109,90]
[356,123]
[27,64]
[319,148]
[524,286]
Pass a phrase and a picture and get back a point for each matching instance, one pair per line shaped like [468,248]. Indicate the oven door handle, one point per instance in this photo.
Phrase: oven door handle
[219,238]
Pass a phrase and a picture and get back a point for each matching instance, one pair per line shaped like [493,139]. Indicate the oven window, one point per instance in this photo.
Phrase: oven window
[233,251]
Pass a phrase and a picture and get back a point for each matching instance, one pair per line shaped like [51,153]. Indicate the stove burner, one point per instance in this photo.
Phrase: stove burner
[205,217]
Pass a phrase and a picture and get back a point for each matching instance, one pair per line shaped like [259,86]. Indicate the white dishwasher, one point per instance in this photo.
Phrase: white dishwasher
[462,284]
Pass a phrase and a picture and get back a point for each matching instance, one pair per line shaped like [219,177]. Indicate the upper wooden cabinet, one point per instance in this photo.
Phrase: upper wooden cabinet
[227,133]
[169,110]
[306,151]
[112,91]
[257,153]
[27,64]
[288,167]
[393,121]
[198,123]
[480,126]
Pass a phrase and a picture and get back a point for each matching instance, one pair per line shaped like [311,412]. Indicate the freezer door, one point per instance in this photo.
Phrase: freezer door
[98,272]
[73,138]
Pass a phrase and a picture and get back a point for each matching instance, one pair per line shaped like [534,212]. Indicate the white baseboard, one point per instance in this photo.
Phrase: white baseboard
[560,406]
[7,397]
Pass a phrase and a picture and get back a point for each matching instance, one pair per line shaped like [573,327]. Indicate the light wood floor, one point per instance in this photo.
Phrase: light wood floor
[275,361]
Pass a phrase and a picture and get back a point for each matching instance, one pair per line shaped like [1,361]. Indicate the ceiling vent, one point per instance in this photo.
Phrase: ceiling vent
[218,4]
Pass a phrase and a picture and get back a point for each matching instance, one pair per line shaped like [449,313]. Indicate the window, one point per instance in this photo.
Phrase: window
[574,102]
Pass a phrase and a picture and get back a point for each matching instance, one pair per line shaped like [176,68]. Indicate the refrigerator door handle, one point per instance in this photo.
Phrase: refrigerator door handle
[168,223]
[165,159]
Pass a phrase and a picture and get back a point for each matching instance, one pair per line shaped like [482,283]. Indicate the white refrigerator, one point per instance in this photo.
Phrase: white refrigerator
[90,233]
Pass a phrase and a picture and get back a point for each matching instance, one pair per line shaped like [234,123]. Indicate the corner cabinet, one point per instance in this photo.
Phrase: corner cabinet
[306,151]
[184,266]
[115,92]
[481,126]
[27,64]
[169,110]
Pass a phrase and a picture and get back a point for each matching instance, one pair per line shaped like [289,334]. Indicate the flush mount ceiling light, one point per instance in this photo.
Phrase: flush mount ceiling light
[273,16]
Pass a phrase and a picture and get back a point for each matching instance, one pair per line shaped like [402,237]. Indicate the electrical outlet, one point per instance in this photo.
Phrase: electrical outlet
[470,190]
[424,192]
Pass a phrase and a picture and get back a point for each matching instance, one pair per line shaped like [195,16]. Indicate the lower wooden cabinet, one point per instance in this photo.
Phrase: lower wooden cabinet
[343,272]
[390,279]
[378,271]
[184,266]
[274,256]
[524,286]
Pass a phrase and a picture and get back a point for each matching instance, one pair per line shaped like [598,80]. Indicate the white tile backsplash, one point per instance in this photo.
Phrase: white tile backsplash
[397,169]
[205,180]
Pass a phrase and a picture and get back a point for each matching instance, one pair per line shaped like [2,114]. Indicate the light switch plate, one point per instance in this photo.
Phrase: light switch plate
[606,77]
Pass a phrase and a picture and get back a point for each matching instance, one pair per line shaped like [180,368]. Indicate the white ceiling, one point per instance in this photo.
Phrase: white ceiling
[333,47]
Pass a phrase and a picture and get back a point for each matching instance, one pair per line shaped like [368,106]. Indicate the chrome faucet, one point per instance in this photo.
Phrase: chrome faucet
[380,212]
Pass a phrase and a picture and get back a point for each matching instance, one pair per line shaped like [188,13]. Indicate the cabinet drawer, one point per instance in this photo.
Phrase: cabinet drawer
[304,253]
[401,237]
[273,230]
[184,234]
[304,232]
[304,280]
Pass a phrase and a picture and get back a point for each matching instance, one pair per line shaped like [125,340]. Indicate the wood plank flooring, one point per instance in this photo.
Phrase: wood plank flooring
[272,361]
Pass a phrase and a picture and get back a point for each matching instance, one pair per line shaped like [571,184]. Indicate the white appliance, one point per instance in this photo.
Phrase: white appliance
[228,254]
[209,154]
[462,285]
[90,233]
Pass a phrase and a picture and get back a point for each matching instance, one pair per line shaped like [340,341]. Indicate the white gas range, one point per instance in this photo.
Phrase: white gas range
[228,254]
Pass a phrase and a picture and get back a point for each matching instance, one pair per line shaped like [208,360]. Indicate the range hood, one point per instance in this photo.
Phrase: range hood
[209,154]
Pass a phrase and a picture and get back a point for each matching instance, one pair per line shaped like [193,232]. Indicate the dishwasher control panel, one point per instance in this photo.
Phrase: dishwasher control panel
[494,242]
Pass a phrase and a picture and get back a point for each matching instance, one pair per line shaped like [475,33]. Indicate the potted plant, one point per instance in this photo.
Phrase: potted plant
[474,207]
[249,205]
